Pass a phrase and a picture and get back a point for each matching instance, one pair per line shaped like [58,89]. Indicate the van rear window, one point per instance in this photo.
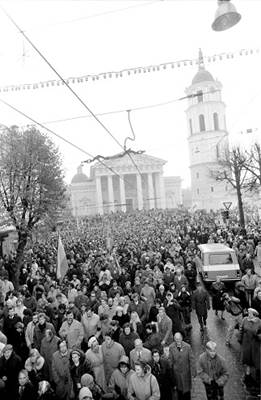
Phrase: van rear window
[220,258]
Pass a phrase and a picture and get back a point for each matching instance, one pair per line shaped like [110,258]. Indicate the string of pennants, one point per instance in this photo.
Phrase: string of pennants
[127,72]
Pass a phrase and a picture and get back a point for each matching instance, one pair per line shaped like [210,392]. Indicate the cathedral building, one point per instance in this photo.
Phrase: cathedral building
[123,183]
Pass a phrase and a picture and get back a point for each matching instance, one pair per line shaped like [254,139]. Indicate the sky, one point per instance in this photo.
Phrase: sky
[90,37]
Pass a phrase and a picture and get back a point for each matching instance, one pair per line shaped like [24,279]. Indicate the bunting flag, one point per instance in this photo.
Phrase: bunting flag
[62,264]
[127,72]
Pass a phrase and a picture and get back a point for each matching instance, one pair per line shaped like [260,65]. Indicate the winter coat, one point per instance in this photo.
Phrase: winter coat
[183,366]
[212,369]
[200,302]
[27,392]
[164,376]
[173,311]
[61,375]
[73,333]
[250,337]
[153,341]
[111,357]
[29,334]
[143,387]
[77,372]
[145,356]
[9,328]
[39,333]
[165,329]
[11,368]
[96,361]
[140,308]
[119,382]
[48,348]
[127,341]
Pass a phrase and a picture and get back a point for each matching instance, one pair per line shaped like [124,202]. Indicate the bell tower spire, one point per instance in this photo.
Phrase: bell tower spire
[201,64]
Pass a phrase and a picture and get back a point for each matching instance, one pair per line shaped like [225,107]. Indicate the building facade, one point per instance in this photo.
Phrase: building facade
[122,184]
[208,137]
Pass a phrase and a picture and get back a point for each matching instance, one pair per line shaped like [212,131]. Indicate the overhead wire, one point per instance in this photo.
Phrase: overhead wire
[66,141]
[129,109]
[67,85]
[39,27]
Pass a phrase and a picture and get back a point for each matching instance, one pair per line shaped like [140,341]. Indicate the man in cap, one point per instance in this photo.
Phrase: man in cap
[213,372]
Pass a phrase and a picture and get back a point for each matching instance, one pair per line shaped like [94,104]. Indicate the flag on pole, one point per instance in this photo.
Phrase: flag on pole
[62,264]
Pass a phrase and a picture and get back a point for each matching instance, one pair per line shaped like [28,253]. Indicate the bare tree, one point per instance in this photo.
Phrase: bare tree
[31,182]
[253,166]
[231,168]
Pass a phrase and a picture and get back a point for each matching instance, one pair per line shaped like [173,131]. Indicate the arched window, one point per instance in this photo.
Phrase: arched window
[215,119]
[190,126]
[202,126]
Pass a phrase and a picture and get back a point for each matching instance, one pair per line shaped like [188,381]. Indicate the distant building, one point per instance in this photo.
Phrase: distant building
[118,184]
[208,136]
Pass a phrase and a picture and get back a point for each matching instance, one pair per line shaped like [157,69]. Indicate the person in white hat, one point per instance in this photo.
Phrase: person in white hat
[85,394]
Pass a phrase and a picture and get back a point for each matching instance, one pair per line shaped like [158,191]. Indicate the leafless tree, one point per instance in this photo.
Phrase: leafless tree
[232,169]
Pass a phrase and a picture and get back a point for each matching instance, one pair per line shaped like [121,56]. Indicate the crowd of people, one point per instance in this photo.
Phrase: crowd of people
[118,325]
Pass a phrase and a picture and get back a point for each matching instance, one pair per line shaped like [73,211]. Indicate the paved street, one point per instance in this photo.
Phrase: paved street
[216,330]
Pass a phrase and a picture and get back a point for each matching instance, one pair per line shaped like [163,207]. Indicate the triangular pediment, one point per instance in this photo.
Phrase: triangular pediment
[125,161]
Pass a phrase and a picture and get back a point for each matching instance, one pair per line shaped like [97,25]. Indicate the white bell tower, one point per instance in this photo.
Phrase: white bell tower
[207,137]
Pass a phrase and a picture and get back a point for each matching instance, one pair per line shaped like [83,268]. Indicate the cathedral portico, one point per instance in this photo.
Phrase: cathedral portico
[121,184]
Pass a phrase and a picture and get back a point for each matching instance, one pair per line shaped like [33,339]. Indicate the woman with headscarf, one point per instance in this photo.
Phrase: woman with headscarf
[35,365]
[26,390]
[120,377]
[95,356]
[127,338]
[250,337]
[79,366]
[142,384]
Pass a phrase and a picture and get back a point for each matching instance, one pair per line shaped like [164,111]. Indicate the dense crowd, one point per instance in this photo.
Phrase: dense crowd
[118,325]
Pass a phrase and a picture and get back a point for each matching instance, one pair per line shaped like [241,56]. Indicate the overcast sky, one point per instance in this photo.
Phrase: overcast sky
[90,37]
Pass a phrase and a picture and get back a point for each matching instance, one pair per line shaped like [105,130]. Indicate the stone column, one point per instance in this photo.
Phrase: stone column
[151,191]
[99,195]
[110,193]
[122,193]
[139,192]
[162,192]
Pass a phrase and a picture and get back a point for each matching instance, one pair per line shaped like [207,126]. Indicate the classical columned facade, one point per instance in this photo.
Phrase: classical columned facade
[123,184]
[129,186]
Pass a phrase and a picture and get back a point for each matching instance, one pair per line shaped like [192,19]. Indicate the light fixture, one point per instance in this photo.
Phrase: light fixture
[226,16]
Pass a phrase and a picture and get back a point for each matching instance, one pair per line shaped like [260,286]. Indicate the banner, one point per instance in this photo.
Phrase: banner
[62,264]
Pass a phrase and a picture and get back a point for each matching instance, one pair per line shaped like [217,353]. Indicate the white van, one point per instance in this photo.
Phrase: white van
[216,259]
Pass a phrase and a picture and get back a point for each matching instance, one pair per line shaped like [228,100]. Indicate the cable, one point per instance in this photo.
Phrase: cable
[131,109]
[65,140]
[93,16]
[68,86]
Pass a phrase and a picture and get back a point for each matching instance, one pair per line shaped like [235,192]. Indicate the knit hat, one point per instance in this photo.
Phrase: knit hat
[85,392]
[86,380]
